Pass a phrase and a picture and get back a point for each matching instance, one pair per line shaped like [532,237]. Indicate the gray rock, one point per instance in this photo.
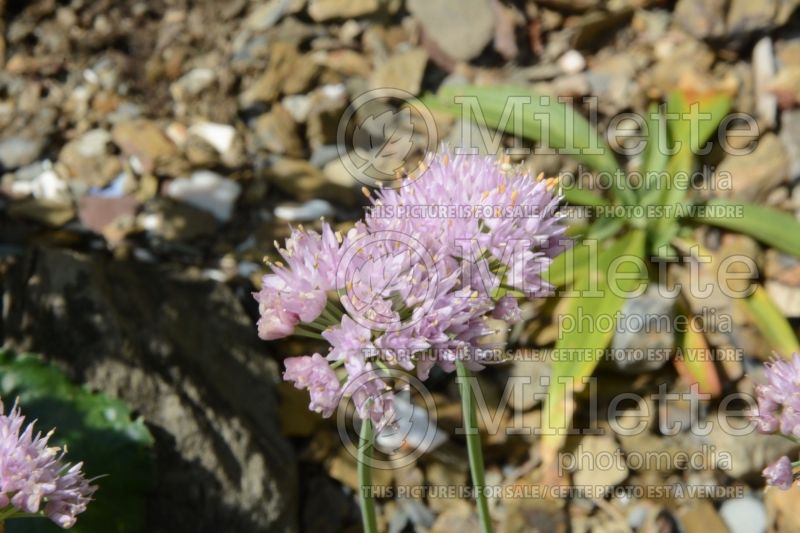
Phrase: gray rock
[183,353]
[264,16]
[193,83]
[763,73]
[305,212]
[644,332]
[790,135]
[19,151]
[460,28]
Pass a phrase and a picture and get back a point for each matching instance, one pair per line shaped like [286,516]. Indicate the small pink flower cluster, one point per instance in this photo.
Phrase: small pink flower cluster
[779,412]
[34,477]
[412,292]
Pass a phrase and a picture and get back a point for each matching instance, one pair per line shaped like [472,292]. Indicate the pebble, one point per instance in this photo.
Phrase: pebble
[206,190]
[40,181]
[412,430]
[193,83]
[88,159]
[305,212]
[276,132]
[790,136]
[321,10]
[572,62]
[298,106]
[16,152]
[144,141]
[744,515]
[219,136]
[755,174]
[267,14]
[402,71]
[763,72]
[460,28]
[641,343]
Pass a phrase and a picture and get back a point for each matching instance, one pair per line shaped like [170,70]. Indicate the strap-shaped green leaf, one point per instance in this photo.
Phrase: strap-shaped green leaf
[771,322]
[537,117]
[768,225]
[579,352]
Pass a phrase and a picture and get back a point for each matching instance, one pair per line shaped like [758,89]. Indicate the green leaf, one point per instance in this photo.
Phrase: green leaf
[594,299]
[97,430]
[770,226]
[654,159]
[694,117]
[605,228]
[571,263]
[524,113]
[771,322]
[574,196]
[692,361]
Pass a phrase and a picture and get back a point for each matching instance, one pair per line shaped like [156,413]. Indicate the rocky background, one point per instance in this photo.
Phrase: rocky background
[151,152]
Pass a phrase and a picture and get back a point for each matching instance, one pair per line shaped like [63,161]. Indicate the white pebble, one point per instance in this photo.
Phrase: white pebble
[572,62]
[207,190]
[744,515]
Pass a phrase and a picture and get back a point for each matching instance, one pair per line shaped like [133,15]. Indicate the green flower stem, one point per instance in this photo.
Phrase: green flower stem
[328,317]
[473,445]
[334,310]
[365,478]
[300,332]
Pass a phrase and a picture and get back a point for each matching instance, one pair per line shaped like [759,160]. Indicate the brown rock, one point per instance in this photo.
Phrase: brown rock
[146,141]
[321,10]
[402,71]
[48,212]
[753,176]
[276,132]
[97,213]
[701,19]
[287,73]
[88,160]
[304,181]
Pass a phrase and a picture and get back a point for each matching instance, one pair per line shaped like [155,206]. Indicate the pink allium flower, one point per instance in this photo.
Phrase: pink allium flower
[507,309]
[314,373]
[779,398]
[465,203]
[408,290]
[34,477]
[297,291]
[779,474]
[350,342]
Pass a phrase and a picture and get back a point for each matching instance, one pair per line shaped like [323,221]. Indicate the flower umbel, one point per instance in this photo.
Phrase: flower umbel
[779,474]
[778,411]
[408,291]
[34,477]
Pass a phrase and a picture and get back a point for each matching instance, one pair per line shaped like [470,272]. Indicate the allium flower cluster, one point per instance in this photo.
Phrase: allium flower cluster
[33,476]
[779,412]
[415,284]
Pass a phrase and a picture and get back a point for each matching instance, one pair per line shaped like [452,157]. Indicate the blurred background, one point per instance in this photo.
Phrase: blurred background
[152,152]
